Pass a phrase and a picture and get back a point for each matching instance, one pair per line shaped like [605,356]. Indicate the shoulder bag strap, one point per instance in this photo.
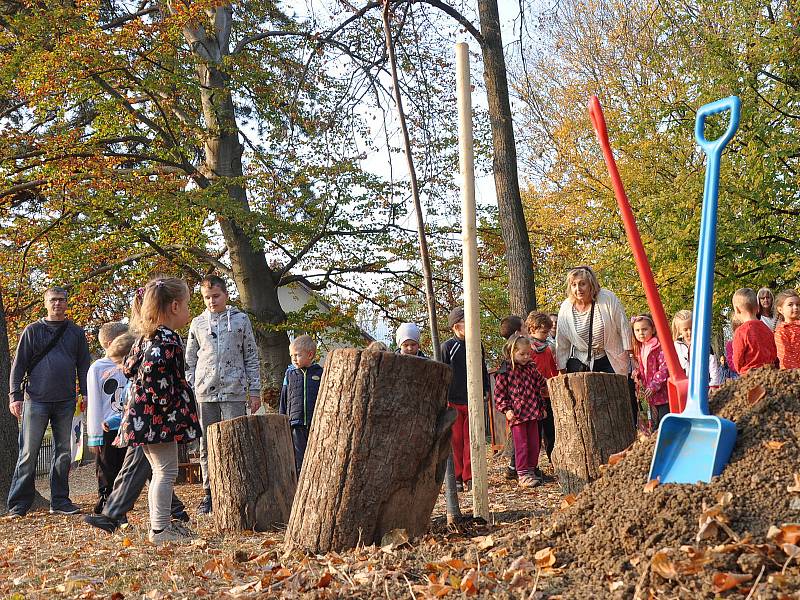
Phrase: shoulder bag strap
[50,345]
[590,356]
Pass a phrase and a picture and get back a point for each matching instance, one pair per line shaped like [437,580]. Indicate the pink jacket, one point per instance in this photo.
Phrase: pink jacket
[654,375]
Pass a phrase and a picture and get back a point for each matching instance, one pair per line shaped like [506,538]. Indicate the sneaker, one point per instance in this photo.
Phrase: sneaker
[459,486]
[67,509]
[511,474]
[173,533]
[15,513]
[102,522]
[181,516]
[204,508]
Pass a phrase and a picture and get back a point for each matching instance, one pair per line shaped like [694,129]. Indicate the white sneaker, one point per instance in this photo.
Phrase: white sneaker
[172,533]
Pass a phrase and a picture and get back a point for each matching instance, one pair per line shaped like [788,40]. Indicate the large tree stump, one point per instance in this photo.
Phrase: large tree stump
[251,472]
[593,420]
[376,453]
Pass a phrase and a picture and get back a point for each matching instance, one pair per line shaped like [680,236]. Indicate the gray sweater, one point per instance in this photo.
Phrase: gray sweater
[53,379]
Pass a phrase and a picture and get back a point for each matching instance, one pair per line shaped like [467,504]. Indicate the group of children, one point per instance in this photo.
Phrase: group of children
[149,393]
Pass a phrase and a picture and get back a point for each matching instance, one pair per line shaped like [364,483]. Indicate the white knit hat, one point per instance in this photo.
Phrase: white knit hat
[407,331]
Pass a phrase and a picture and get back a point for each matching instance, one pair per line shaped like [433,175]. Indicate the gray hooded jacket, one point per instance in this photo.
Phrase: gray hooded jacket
[222,363]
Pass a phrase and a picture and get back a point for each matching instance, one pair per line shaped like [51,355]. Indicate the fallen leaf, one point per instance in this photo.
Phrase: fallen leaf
[484,543]
[796,487]
[651,485]
[456,564]
[324,581]
[545,558]
[499,553]
[617,457]
[791,550]
[117,596]
[615,585]
[245,587]
[126,542]
[662,565]
[724,498]
[788,533]
[756,393]
[727,581]
[469,584]
[568,500]
[395,537]
[773,445]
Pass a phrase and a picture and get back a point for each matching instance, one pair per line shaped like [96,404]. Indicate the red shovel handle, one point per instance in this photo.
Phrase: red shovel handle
[678,382]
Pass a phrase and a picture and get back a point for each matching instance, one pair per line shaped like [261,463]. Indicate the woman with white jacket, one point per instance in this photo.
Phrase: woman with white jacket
[587,303]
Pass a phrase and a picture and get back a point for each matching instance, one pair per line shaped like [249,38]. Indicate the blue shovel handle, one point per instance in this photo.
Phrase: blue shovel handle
[697,401]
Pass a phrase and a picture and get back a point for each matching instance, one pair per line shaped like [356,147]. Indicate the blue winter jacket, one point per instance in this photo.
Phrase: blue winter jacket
[299,394]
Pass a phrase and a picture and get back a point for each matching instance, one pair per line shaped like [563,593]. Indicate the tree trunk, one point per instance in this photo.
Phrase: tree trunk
[8,423]
[251,472]
[514,229]
[255,281]
[593,420]
[376,453]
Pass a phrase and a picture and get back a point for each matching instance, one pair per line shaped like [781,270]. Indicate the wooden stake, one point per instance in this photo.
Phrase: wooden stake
[477,434]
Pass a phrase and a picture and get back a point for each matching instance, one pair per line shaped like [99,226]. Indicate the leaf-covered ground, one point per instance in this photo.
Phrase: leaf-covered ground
[47,556]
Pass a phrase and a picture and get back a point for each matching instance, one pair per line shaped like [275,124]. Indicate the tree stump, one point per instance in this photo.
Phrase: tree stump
[251,472]
[593,420]
[376,453]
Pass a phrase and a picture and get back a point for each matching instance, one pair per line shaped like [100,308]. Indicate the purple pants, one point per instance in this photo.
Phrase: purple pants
[526,446]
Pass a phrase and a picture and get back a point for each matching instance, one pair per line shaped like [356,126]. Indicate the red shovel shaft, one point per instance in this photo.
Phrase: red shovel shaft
[678,384]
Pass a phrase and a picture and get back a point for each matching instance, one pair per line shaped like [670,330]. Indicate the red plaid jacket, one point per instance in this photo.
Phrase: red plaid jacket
[520,390]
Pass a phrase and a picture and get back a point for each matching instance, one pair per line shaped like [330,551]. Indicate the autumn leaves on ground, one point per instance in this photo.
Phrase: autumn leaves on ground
[737,537]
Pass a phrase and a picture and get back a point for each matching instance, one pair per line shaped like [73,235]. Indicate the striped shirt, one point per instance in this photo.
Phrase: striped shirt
[581,320]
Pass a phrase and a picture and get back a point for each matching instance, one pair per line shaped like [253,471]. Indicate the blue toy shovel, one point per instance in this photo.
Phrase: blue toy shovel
[694,446]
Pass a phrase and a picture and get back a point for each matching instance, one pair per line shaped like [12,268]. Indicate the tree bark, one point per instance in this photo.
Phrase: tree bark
[255,281]
[8,423]
[593,420]
[514,229]
[251,472]
[377,451]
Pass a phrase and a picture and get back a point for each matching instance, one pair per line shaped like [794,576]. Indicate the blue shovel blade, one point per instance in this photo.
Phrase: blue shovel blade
[692,449]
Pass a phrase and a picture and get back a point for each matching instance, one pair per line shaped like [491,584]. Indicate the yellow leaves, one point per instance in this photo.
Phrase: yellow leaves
[568,501]
[773,445]
[126,542]
[652,485]
[727,581]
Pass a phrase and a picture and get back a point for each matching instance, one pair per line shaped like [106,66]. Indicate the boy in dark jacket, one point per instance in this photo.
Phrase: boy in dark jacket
[299,393]
[454,353]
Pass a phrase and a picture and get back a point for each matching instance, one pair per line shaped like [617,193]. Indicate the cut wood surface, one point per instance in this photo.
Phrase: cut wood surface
[251,472]
[376,452]
[593,420]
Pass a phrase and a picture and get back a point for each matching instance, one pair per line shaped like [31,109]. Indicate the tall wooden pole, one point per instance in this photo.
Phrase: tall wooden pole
[472,322]
[451,495]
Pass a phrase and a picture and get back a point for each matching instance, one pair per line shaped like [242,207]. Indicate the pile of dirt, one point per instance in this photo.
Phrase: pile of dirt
[622,538]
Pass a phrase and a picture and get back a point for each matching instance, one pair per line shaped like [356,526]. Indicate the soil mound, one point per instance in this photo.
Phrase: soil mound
[620,540]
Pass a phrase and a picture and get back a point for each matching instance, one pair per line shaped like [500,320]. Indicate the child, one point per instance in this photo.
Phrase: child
[539,326]
[222,366]
[682,334]
[518,394]
[454,353]
[407,339]
[787,332]
[766,308]
[105,383]
[511,325]
[551,339]
[299,393]
[651,373]
[753,341]
[162,412]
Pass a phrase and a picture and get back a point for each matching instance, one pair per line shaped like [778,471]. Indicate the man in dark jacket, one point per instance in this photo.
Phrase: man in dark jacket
[52,354]
[299,393]
[454,353]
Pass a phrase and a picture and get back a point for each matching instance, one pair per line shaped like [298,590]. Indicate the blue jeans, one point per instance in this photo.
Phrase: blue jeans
[35,417]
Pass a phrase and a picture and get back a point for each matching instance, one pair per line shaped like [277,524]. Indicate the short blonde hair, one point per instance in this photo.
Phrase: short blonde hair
[587,274]
[109,332]
[746,298]
[682,316]
[120,347]
[304,343]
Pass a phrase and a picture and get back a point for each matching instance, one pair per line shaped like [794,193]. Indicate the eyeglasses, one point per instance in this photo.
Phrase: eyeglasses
[57,300]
